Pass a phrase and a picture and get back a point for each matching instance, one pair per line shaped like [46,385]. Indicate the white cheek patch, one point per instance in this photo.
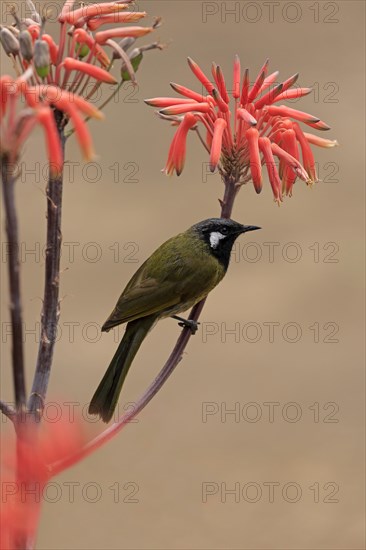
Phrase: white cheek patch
[215,238]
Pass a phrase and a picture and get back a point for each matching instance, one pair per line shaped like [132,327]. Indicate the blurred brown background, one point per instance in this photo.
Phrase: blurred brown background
[178,462]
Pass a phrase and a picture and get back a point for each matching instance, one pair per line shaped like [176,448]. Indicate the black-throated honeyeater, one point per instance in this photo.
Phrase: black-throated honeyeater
[180,273]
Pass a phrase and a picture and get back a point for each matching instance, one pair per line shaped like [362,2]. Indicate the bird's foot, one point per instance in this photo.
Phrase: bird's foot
[187,323]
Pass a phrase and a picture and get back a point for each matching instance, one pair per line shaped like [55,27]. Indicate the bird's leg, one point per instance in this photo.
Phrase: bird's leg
[188,323]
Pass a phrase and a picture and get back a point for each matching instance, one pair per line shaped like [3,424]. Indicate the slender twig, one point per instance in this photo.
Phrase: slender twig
[201,139]
[176,355]
[50,310]
[152,390]
[11,222]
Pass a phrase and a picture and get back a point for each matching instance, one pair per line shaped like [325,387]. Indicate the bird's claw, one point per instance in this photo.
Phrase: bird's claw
[188,323]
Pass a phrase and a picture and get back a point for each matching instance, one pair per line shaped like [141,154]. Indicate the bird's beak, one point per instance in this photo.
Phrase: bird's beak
[245,228]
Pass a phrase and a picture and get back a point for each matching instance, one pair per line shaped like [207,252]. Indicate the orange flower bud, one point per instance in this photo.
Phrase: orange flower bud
[98,73]
[216,147]
[121,32]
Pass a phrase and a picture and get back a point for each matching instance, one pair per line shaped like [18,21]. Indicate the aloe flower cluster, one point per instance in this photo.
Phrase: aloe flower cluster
[256,133]
[65,76]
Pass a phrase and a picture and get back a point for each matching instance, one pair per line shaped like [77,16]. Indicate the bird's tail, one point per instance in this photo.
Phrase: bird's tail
[105,398]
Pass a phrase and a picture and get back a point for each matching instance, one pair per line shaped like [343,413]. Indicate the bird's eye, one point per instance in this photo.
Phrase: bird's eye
[224,230]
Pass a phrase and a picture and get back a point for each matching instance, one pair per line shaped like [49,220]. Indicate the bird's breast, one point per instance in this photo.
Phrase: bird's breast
[196,277]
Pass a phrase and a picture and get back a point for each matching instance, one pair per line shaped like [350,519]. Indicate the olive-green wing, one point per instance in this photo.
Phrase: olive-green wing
[151,289]
[168,278]
[145,299]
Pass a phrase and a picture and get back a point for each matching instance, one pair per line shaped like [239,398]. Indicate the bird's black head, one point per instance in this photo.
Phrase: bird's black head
[219,235]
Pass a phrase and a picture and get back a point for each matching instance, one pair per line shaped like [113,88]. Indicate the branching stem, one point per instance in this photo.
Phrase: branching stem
[11,223]
[50,310]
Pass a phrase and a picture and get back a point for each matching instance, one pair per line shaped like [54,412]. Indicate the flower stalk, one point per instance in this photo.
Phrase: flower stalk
[50,309]
[11,225]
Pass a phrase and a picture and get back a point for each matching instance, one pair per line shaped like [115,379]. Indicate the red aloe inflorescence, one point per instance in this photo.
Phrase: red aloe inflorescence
[65,76]
[17,123]
[56,82]
[258,132]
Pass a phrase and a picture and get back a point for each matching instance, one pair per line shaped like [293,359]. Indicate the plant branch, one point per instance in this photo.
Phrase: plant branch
[196,129]
[11,222]
[227,203]
[152,390]
[7,410]
[175,357]
[50,309]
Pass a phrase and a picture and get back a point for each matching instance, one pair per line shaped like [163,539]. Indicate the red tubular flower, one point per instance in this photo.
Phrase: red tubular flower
[220,81]
[258,82]
[98,73]
[46,119]
[15,127]
[185,108]
[200,75]
[121,32]
[94,10]
[77,64]
[66,8]
[297,115]
[162,102]
[290,161]
[307,154]
[6,84]
[265,146]
[259,132]
[80,36]
[216,144]
[186,92]
[268,81]
[81,130]
[288,143]
[319,141]
[296,93]
[245,88]
[252,136]
[34,31]
[236,79]
[58,97]
[244,115]
[119,17]
[177,151]
[52,46]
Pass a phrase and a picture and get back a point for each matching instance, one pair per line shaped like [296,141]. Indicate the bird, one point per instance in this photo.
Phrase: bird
[178,275]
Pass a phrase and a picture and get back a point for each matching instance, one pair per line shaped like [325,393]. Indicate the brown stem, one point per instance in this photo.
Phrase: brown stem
[11,223]
[227,203]
[18,415]
[231,191]
[156,385]
[50,310]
